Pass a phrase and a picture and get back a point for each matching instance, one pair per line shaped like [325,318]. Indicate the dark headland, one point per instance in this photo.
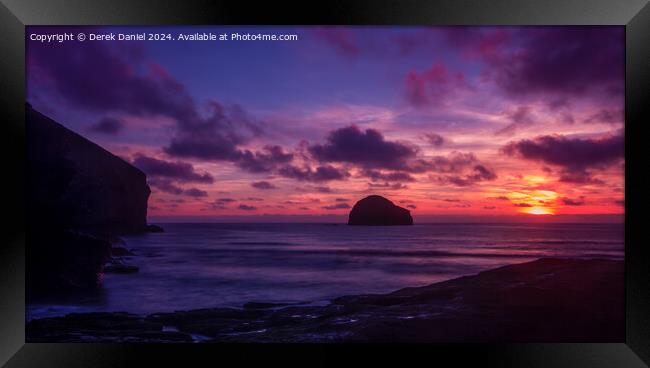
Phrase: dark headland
[376,210]
[80,198]
[547,300]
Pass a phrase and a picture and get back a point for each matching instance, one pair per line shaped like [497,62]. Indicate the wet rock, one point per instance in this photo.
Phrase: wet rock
[558,300]
[118,266]
[151,228]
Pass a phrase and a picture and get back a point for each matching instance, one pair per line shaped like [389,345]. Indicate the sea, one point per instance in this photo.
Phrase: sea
[207,265]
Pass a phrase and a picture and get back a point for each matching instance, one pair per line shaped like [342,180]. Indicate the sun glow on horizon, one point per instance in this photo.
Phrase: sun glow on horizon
[538,211]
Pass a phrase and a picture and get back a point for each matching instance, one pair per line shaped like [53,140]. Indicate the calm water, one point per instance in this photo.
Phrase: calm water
[192,266]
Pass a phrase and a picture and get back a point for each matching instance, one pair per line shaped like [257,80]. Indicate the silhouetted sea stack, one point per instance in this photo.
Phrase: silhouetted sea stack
[376,210]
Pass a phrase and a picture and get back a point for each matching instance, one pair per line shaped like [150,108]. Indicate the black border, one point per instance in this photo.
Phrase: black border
[635,14]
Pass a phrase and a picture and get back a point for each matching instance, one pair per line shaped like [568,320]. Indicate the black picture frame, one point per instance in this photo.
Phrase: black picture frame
[634,14]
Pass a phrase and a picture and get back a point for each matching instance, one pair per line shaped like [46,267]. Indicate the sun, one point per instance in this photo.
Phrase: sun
[538,211]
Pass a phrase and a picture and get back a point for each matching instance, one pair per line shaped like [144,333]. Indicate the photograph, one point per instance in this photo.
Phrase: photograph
[325,184]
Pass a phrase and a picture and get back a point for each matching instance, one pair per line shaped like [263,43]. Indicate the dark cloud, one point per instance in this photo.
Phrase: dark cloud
[265,185]
[225,200]
[194,192]
[522,205]
[556,61]
[435,140]
[478,174]
[320,174]
[570,153]
[366,148]
[454,162]
[573,202]
[578,177]
[164,185]
[100,77]
[217,137]
[246,207]
[377,175]
[177,170]
[341,199]
[489,207]
[411,206]
[263,161]
[254,199]
[387,186]
[336,206]
[108,125]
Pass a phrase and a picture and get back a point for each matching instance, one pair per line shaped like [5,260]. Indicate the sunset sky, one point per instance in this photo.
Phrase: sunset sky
[470,122]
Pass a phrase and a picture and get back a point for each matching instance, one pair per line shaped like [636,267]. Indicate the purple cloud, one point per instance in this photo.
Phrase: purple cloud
[365,148]
[177,170]
[563,60]
[434,139]
[265,160]
[433,86]
[264,185]
[574,202]
[570,153]
[320,174]
[246,207]
[194,192]
[478,174]
[336,206]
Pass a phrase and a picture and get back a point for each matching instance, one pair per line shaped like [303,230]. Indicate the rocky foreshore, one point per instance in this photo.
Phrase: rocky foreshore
[547,300]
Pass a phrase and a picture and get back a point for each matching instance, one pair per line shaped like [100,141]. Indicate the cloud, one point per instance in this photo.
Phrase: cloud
[164,185]
[434,139]
[337,206]
[478,174]
[194,192]
[609,116]
[570,153]
[108,125]
[264,185]
[366,148]
[489,207]
[562,60]
[574,202]
[432,87]
[387,186]
[263,161]
[217,137]
[377,175]
[341,199]
[411,206]
[522,205]
[246,207]
[320,174]
[120,77]
[454,162]
[578,177]
[177,170]
[520,117]
[124,80]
